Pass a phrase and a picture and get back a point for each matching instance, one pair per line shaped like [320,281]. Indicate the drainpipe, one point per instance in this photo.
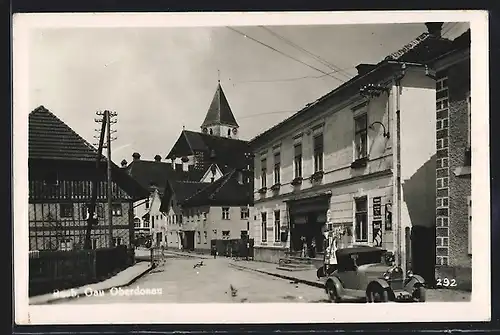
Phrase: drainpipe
[400,259]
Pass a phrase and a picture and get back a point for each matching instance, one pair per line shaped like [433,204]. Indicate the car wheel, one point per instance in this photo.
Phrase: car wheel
[419,293]
[331,290]
[377,294]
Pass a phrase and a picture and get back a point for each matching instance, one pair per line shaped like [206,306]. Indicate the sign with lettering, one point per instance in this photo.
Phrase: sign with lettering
[388,217]
[377,207]
[377,233]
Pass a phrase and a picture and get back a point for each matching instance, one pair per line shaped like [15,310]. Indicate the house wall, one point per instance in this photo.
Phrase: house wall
[47,228]
[418,155]
[340,179]
[452,212]
[174,220]
[157,220]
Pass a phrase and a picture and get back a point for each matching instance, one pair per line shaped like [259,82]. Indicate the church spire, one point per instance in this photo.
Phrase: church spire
[220,119]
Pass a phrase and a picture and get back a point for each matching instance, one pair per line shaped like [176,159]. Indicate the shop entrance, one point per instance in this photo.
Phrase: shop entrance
[307,220]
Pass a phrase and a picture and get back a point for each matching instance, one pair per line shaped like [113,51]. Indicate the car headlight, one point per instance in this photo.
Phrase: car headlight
[409,273]
[387,275]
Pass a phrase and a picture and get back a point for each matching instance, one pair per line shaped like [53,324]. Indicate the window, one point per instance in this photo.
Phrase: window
[297,161]
[229,133]
[198,237]
[277,167]
[116,209]
[226,234]
[264,227]
[225,213]
[360,137]
[205,236]
[180,219]
[244,213]
[137,222]
[152,221]
[318,152]
[147,204]
[469,200]
[211,132]
[361,219]
[51,179]
[263,173]
[66,210]
[145,223]
[117,241]
[277,226]
[469,119]
[94,243]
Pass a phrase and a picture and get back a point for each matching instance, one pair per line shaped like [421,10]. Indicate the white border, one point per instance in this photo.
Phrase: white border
[478,309]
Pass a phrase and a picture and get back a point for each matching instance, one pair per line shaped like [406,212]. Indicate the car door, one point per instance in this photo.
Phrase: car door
[349,277]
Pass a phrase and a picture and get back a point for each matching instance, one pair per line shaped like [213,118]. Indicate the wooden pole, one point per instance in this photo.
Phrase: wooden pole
[110,189]
[92,208]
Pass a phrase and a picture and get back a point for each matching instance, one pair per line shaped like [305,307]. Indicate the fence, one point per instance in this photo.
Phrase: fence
[57,270]
[233,247]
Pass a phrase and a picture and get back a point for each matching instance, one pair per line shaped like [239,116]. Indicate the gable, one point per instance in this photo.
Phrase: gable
[213,171]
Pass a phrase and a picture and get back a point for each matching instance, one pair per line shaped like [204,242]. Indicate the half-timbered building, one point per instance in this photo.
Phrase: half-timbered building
[61,169]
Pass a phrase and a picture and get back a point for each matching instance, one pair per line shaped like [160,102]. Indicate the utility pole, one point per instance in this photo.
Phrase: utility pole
[107,115]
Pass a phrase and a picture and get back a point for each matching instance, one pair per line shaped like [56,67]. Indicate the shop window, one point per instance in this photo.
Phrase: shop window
[361,136]
[361,219]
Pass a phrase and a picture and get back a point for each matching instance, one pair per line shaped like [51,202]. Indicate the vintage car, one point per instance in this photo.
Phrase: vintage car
[365,273]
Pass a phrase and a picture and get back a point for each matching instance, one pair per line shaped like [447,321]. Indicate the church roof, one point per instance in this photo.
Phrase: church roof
[219,111]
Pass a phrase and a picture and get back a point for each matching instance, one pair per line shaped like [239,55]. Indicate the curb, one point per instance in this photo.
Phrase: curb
[81,294]
[188,255]
[298,280]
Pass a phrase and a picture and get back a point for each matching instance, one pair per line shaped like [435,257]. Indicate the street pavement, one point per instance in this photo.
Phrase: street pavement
[176,281]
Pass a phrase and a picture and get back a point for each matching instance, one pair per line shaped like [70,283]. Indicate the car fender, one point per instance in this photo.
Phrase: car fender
[338,285]
[415,279]
[381,282]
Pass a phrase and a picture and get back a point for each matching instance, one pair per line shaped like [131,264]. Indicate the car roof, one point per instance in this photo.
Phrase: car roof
[358,250]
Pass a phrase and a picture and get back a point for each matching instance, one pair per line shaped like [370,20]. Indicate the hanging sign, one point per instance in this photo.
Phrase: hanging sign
[377,207]
[377,233]
[388,217]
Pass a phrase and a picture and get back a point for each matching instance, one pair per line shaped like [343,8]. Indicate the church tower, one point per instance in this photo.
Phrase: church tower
[220,120]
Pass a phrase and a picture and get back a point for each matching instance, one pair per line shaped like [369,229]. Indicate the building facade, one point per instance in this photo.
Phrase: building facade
[356,161]
[62,169]
[453,170]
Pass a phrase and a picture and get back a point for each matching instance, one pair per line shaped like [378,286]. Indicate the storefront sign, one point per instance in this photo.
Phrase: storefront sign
[388,217]
[377,207]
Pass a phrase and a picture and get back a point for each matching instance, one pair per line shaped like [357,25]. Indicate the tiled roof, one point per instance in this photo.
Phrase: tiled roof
[226,191]
[51,138]
[220,150]
[219,111]
[152,173]
[181,189]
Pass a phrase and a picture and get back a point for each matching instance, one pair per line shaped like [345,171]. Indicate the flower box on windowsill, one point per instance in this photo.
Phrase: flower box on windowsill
[317,176]
[263,190]
[275,187]
[359,163]
[297,181]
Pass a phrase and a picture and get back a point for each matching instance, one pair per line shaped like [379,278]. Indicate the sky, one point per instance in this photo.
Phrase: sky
[159,80]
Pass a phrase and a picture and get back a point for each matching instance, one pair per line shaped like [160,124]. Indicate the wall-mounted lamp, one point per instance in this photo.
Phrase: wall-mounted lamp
[385,133]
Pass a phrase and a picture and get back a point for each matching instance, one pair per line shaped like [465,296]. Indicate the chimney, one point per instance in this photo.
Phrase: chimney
[157,158]
[434,28]
[124,163]
[364,68]
[136,156]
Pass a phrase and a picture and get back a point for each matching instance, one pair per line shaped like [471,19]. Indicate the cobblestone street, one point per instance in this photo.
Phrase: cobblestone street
[211,283]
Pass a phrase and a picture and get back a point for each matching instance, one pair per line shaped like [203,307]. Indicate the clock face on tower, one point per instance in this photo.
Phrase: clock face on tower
[205,130]
[235,131]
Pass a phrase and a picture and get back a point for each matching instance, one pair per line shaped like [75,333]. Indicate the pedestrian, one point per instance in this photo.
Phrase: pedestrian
[214,251]
[248,250]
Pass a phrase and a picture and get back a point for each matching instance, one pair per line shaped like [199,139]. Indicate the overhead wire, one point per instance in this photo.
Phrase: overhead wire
[298,47]
[287,79]
[283,53]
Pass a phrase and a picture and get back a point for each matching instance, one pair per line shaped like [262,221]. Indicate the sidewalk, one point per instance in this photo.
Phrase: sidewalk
[307,277]
[124,278]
